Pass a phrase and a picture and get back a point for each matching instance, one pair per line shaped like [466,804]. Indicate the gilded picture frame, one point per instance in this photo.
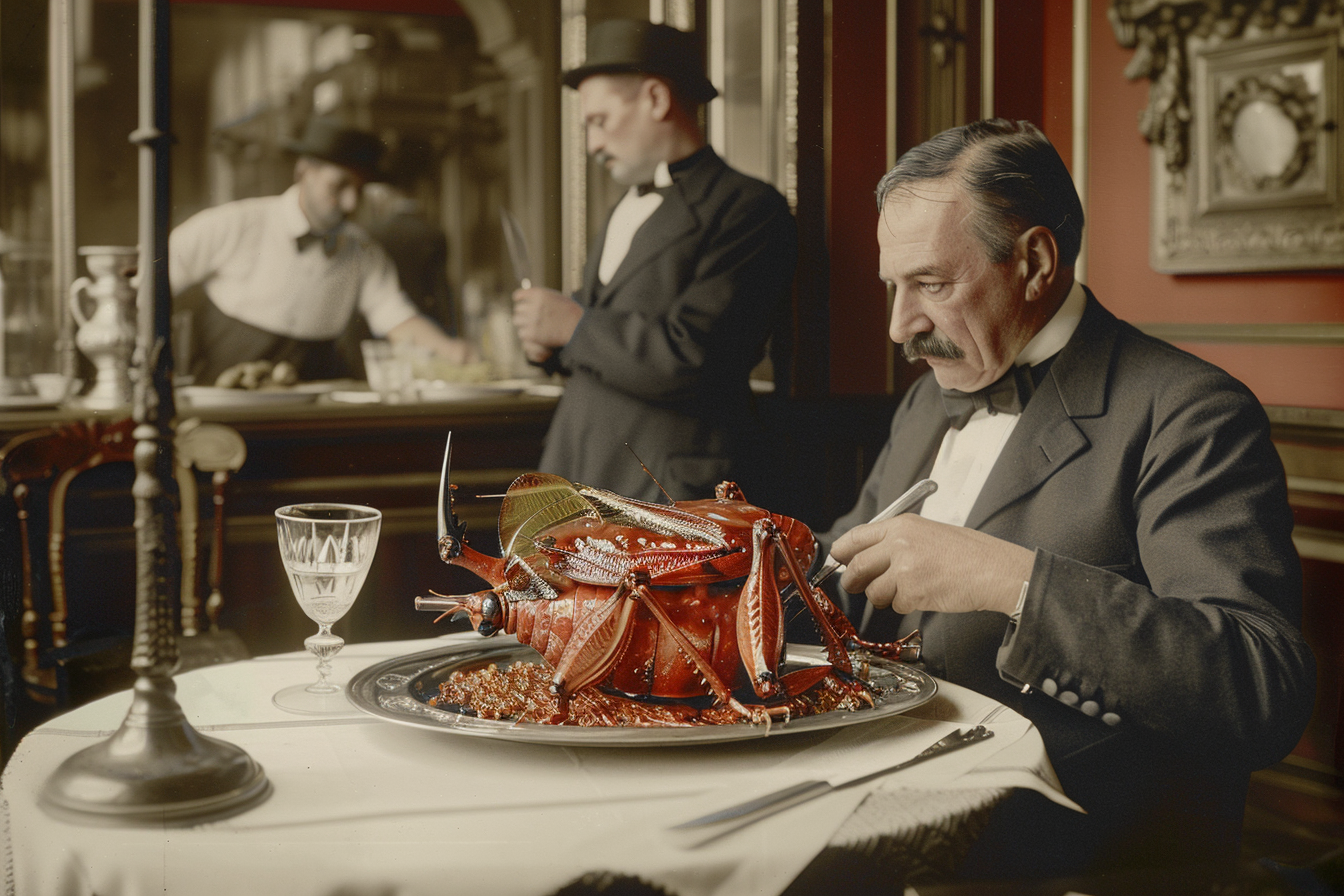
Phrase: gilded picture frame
[1261,190]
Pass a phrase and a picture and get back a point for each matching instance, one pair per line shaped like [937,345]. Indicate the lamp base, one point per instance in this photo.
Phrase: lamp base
[155,770]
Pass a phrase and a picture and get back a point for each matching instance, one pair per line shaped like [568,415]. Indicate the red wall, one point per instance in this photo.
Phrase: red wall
[1118,269]
[858,159]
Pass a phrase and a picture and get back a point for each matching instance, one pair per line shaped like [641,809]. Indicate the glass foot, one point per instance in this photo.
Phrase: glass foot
[299,699]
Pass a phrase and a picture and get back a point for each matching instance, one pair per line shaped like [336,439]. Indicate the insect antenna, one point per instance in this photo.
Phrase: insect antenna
[651,476]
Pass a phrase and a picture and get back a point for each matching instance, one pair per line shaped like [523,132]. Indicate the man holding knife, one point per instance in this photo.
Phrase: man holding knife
[680,293]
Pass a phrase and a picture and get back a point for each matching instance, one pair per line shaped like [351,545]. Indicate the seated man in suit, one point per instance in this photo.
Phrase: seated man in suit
[680,293]
[1109,550]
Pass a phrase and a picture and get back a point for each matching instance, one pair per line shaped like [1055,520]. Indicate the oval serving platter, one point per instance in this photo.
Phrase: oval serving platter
[398,690]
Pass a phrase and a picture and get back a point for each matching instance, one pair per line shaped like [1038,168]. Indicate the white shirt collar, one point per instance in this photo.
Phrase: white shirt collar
[1058,330]
[291,216]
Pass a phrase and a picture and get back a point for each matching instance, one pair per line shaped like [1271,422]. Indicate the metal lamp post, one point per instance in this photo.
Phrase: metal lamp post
[156,768]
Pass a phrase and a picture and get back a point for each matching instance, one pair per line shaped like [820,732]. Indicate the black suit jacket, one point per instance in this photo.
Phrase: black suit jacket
[1159,649]
[662,356]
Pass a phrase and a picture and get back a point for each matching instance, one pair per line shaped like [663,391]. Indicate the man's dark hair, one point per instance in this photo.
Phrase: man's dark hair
[1013,175]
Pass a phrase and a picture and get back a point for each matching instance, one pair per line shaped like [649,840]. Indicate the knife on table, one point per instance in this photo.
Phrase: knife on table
[752,811]
[513,236]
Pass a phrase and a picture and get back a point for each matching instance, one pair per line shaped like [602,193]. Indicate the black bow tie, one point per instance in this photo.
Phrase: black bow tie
[646,189]
[330,241]
[1008,395]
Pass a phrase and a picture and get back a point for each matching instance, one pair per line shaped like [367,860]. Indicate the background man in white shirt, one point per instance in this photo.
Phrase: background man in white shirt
[284,274]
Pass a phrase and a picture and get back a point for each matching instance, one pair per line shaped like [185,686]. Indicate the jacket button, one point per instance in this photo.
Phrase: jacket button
[1069,698]
[1111,718]
[1049,687]
[1090,707]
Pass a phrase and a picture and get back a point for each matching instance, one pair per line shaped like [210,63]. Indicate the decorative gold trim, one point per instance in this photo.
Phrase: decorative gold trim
[1082,29]
[573,150]
[1249,334]
[1319,544]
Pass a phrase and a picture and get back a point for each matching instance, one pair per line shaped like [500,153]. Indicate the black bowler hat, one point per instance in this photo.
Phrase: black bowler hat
[331,141]
[629,45]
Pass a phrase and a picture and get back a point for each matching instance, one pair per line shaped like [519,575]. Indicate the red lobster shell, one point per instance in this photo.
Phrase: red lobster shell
[674,602]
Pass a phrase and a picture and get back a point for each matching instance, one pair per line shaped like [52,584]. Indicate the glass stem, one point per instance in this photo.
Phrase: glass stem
[323,645]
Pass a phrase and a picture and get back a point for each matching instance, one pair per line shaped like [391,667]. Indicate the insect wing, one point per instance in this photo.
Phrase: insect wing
[536,502]
[660,518]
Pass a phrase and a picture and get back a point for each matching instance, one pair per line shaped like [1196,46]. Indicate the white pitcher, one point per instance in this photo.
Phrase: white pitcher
[107,336]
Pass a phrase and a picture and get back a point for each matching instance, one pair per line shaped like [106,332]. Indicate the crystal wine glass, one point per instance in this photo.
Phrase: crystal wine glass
[326,549]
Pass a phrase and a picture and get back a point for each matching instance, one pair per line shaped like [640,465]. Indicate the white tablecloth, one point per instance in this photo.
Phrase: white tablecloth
[364,806]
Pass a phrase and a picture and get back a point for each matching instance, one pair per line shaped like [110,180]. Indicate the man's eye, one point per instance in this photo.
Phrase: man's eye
[932,289]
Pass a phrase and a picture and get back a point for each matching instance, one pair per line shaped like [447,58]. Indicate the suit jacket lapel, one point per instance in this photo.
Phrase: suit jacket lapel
[1047,438]
[673,219]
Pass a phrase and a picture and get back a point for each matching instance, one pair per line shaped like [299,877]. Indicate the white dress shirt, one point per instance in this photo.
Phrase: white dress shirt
[626,219]
[967,455]
[245,255]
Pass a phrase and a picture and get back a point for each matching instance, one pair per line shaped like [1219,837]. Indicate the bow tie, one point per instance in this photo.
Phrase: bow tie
[1008,394]
[330,241]
[646,189]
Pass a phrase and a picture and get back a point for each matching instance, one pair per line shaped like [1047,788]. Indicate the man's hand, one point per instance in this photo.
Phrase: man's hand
[910,563]
[537,354]
[422,331]
[545,320]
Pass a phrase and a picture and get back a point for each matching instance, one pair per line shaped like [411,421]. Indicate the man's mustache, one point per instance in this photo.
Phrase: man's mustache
[929,345]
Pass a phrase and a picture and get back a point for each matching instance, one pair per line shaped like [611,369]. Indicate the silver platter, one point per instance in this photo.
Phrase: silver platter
[399,690]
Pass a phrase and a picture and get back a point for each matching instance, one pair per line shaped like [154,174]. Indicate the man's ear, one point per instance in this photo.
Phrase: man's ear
[660,98]
[1040,261]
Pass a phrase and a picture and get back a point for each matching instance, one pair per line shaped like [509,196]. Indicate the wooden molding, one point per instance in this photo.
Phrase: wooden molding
[1249,334]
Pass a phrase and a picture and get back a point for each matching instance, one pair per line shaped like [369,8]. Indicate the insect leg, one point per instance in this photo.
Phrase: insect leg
[721,690]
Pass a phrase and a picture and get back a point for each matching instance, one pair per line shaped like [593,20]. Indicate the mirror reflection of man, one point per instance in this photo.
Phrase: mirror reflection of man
[283,275]
[681,289]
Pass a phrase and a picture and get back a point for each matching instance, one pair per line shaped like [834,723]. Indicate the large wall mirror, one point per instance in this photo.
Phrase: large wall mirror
[470,93]
[463,98]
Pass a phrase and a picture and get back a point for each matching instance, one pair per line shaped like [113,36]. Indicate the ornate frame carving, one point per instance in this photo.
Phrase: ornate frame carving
[1243,118]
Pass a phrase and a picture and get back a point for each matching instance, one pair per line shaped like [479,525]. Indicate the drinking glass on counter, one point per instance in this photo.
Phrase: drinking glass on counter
[389,371]
[326,549]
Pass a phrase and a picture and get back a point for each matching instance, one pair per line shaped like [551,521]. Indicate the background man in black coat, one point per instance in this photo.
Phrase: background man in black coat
[1109,551]
[679,294]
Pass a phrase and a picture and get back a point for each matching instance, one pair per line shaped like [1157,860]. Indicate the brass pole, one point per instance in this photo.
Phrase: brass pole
[156,769]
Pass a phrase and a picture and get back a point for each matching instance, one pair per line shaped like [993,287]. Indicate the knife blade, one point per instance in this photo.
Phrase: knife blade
[445,491]
[916,493]
[517,243]
[753,810]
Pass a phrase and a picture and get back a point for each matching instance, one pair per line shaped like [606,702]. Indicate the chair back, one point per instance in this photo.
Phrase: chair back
[38,469]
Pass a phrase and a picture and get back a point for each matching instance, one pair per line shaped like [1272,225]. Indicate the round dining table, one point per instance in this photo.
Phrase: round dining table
[362,804]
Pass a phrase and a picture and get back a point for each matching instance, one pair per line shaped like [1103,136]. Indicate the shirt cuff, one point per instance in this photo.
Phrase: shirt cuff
[1016,616]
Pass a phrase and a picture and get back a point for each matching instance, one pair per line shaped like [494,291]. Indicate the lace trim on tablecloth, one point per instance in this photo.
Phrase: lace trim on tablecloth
[904,837]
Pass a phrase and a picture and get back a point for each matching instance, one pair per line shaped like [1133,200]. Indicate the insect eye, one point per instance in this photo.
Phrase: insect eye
[491,611]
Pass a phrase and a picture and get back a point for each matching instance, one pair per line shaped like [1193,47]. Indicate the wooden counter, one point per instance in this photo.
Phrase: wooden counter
[384,456]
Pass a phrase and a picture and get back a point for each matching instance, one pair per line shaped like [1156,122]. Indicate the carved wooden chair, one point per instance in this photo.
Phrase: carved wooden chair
[37,470]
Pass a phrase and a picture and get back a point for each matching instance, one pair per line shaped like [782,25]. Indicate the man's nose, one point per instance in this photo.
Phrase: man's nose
[907,318]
